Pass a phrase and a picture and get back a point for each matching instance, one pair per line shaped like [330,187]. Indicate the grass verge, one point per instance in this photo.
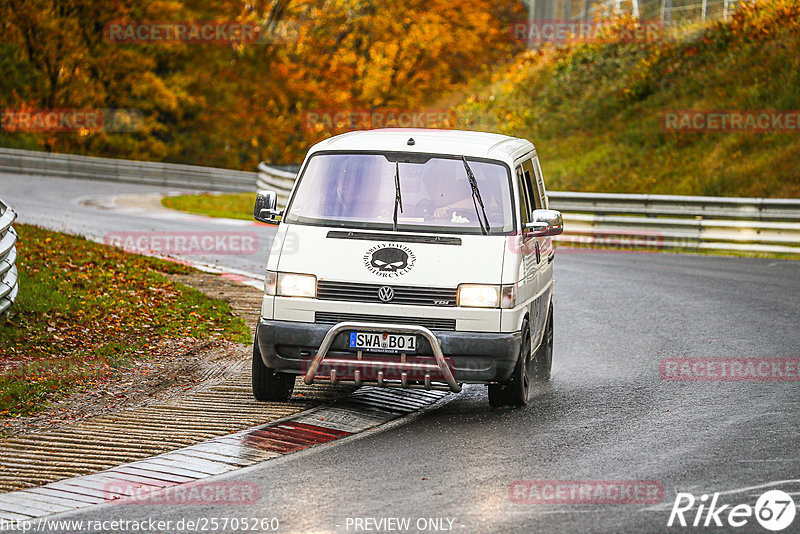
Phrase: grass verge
[230,206]
[86,312]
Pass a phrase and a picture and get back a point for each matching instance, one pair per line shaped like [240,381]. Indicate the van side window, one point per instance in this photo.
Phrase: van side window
[540,183]
[531,189]
[524,206]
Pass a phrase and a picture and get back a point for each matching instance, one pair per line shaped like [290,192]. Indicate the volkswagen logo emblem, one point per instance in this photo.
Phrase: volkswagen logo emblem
[386,293]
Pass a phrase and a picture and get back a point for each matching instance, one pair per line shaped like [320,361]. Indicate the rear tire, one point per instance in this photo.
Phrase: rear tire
[515,390]
[543,357]
[269,385]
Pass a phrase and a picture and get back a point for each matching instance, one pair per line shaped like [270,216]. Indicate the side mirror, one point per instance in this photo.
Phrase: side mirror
[266,208]
[545,223]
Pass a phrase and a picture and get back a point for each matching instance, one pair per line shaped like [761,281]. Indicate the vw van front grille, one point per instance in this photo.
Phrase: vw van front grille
[415,296]
[427,322]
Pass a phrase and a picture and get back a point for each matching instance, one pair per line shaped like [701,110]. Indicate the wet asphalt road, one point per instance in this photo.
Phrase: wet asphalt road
[80,207]
[606,414]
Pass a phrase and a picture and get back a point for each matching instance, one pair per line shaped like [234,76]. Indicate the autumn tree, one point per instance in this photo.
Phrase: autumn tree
[233,104]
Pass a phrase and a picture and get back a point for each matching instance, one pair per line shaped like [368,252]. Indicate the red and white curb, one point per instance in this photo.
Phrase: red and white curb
[366,408]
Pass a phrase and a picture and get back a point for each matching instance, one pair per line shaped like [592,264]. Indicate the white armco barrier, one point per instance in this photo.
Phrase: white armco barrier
[9,283]
[14,161]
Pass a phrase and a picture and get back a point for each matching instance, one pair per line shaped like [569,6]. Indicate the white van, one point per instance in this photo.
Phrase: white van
[410,258]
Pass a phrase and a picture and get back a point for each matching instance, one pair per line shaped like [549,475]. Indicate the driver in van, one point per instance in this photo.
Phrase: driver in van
[453,197]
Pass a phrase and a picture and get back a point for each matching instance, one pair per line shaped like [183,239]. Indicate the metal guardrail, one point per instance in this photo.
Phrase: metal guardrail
[645,222]
[277,180]
[652,222]
[752,209]
[9,282]
[14,161]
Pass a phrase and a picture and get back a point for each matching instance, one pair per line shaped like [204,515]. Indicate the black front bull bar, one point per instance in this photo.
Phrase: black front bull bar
[402,366]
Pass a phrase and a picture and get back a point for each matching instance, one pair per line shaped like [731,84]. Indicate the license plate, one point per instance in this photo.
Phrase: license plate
[383,342]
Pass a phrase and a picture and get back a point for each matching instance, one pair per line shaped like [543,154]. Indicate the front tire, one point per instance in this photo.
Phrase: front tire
[269,385]
[515,390]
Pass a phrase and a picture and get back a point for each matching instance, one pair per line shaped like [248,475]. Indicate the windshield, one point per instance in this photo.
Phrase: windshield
[359,191]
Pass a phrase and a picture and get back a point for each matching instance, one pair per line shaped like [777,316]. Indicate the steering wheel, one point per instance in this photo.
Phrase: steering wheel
[426,208]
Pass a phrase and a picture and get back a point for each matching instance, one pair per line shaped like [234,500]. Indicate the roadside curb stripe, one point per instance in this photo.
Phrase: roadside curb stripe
[367,407]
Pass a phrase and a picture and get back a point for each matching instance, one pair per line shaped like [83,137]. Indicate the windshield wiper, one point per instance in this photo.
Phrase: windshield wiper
[476,198]
[398,197]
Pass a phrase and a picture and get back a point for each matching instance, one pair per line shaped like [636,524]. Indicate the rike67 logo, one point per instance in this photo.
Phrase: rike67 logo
[774,510]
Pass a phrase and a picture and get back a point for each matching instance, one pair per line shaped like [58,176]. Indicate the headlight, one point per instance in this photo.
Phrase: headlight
[297,285]
[478,296]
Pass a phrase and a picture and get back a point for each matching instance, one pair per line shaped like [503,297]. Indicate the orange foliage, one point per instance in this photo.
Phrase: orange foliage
[235,104]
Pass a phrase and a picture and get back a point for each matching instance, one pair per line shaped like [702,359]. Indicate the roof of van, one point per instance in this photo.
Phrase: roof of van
[452,142]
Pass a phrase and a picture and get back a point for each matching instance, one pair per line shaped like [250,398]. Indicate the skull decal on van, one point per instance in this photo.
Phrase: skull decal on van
[389,261]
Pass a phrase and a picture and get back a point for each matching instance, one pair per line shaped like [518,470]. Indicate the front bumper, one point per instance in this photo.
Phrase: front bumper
[473,357]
